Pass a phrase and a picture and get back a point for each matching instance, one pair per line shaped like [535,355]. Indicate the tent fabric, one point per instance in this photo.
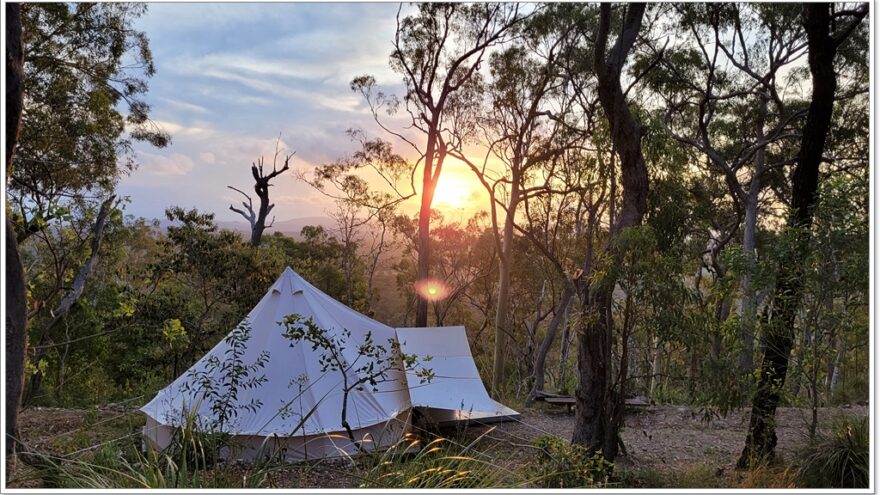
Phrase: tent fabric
[295,383]
[295,448]
[456,393]
[297,407]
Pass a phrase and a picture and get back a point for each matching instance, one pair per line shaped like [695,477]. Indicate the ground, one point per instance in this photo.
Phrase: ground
[667,445]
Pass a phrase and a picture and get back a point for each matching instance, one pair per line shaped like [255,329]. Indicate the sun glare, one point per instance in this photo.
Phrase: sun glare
[453,192]
[432,289]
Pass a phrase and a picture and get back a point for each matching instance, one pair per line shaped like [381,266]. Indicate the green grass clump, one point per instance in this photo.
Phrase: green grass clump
[839,459]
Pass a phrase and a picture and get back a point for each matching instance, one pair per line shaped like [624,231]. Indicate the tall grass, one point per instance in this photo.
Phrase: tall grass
[839,459]
[199,458]
[438,463]
[191,461]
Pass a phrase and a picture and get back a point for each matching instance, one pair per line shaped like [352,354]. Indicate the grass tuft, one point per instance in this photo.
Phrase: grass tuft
[839,459]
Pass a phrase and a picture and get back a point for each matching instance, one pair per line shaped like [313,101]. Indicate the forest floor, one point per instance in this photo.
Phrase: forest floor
[668,446]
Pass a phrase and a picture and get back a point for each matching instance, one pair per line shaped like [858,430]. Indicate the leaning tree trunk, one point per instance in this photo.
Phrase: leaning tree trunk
[76,291]
[544,349]
[597,418]
[780,314]
[16,291]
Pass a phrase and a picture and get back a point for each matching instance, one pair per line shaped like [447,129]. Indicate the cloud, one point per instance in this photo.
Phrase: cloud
[207,157]
[190,107]
[224,99]
[163,166]
[313,96]
[180,130]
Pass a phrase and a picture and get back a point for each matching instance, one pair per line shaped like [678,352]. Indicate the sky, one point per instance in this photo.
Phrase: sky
[231,78]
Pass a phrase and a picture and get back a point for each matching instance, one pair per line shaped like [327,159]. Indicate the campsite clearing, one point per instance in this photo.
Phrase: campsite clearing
[666,444]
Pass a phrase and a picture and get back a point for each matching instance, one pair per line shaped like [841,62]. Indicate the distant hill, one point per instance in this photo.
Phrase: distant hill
[291,227]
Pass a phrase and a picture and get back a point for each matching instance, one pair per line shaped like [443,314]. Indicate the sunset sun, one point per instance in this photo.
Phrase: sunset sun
[453,192]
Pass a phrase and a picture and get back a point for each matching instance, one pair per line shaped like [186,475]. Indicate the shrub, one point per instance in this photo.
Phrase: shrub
[560,464]
[839,459]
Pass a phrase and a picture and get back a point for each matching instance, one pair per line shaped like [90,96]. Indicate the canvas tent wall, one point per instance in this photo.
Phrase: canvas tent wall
[298,406]
[456,394]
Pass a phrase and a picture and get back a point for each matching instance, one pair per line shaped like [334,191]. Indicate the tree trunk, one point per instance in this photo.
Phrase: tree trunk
[598,404]
[541,357]
[424,242]
[835,372]
[16,290]
[374,264]
[262,189]
[564,347]
[655,366]
[748,303]
[780,315]
[76,291]
[532,330]
[502,318]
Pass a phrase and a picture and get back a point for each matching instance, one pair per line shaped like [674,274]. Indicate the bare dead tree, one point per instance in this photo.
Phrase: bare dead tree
[262,183]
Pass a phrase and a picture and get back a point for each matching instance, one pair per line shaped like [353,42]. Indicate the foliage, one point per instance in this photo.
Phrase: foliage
[162,293]
[188,464]
[83,61]
[561,464]
[840,459]
[222,380]
[368,363]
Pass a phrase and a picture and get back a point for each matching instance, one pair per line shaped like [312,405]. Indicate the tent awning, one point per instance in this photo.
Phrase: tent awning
[456,394]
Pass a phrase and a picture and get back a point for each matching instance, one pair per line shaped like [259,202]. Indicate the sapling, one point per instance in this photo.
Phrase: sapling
[372,365]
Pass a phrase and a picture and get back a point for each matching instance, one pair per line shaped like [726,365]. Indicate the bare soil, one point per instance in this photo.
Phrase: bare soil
[675,439]
[666,441]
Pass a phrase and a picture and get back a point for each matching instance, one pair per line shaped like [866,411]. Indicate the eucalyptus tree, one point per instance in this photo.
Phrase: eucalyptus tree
[16,290]
[85,79]
[85,76]
[519,138]
[438,50]
[563,226]
[360,205]
[78,241]
[725,86]
[827,31]
[599,409]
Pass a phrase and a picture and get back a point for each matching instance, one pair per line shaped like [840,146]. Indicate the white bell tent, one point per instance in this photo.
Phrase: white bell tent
[287,400]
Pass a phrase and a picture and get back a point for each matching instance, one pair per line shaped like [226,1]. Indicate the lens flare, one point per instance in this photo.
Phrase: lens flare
[432,289]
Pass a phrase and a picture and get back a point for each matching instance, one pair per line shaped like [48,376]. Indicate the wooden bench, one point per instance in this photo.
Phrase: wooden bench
[567,401]
[633,403]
